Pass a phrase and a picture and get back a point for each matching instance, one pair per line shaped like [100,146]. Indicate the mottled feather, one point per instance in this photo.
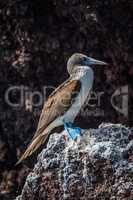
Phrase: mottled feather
[56,105]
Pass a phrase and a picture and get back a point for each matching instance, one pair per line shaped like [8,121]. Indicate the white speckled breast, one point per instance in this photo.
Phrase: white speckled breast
[85,76]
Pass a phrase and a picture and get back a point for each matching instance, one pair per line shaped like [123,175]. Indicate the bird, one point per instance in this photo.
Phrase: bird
[65,102]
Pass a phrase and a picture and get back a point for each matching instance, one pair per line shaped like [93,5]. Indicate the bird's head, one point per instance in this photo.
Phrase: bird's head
[79,59]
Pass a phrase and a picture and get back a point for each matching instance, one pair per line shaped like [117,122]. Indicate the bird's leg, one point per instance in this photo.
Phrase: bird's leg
[72,131]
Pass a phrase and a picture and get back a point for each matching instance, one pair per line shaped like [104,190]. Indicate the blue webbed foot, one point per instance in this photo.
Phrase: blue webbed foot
[72,131]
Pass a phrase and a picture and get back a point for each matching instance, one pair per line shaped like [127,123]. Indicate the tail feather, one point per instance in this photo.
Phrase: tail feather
[35,144]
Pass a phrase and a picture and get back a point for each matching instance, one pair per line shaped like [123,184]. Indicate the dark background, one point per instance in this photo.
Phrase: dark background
[36,39]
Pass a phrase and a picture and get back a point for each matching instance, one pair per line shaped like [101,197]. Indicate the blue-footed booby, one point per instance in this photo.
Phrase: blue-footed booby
[65,102]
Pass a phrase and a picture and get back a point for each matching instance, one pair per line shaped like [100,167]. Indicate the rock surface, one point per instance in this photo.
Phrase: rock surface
[36,39]
[97,166]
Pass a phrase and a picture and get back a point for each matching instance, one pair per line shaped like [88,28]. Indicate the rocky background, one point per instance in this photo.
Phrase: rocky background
[36,39]
[98,166]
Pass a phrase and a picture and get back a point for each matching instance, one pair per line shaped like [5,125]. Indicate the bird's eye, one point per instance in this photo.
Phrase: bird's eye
[84,61]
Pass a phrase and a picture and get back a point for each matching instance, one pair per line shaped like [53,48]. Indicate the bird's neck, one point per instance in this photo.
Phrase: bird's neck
[81,71]
[85,75]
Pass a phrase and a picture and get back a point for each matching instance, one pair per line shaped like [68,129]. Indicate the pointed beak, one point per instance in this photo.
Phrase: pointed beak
[93,61]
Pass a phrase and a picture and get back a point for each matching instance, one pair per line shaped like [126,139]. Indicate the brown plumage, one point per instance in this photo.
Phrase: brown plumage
[56,105]
[78,67]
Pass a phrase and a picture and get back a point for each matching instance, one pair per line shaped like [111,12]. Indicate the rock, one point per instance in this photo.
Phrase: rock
[36,39]
[94,167]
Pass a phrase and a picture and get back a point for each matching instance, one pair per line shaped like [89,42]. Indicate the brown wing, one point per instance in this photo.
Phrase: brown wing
[58,102]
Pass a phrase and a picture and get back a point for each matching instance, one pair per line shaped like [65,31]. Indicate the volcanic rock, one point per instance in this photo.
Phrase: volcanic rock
[97,166]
